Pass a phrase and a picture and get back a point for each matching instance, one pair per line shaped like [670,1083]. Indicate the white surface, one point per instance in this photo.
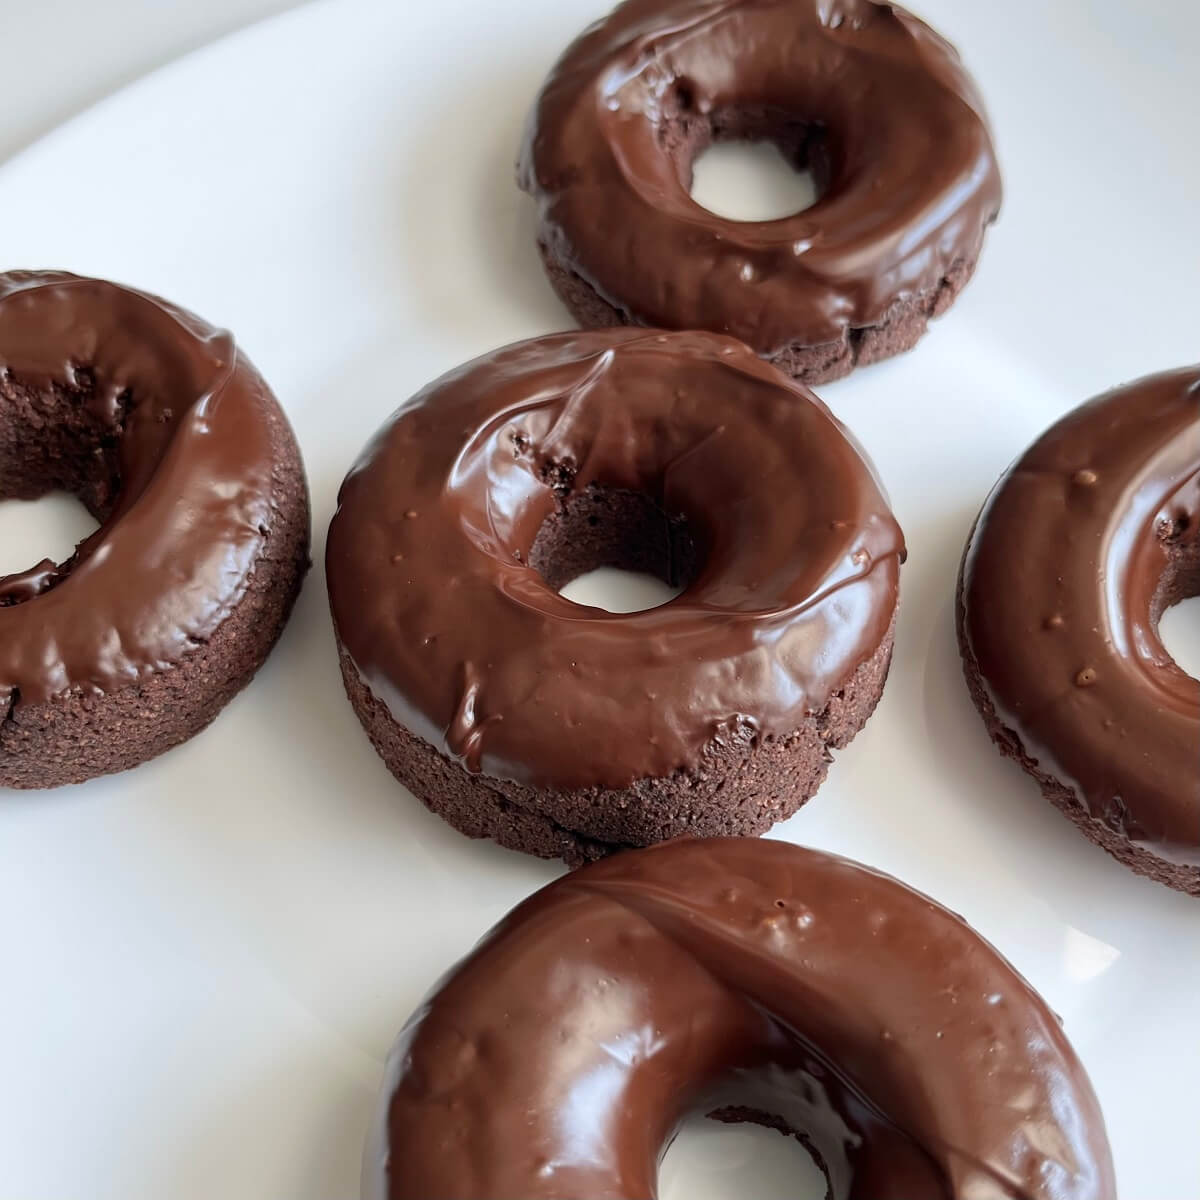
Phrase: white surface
[750,181]
[51,527]
[619,591]
[205,960]
[1180,634]
[60,55]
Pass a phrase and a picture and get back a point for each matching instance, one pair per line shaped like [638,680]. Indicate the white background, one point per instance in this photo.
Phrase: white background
[61,55]
[204,961]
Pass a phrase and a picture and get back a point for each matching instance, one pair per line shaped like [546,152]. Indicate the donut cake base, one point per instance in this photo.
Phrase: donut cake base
[760,781]
[900,330]
[1180,582]
[743,786]
[77,735]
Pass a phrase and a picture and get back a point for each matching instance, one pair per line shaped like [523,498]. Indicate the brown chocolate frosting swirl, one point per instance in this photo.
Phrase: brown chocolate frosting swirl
[751,978]
[1061,590]
[471,649]
[890,122]
[185,502]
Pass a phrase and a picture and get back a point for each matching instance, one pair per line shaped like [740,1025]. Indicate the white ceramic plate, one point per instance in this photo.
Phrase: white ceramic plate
[202,963]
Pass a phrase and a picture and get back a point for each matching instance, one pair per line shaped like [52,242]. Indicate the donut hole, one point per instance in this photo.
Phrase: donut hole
[618,591]
[47,529]
[748,164]
[56,443]
[1179,629]
[714,1160]
[1177,600]
[616,549]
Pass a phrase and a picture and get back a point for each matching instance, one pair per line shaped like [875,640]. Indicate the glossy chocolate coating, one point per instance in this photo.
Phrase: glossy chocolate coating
[557,1061]
[1061,595]
[472,650]
[172,557]
[905,158]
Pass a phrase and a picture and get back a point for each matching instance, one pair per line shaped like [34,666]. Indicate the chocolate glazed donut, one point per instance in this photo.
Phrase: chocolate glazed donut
[164,430]
[866,96]
[562,729]
[1091,535]
[752,981]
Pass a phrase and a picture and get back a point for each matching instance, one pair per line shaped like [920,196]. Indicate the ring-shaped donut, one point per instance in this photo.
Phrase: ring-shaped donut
[1083,544]
[170,437]
[563,729]
[865,95]
[748,980]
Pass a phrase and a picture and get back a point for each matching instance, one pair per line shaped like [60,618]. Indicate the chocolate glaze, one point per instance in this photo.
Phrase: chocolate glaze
[559,1058]
[192,506]
[1061,595]
[471,649]
[877,103]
